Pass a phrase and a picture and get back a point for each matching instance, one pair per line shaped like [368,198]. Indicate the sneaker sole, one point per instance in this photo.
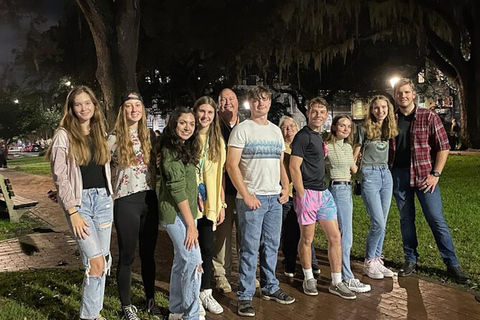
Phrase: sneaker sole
[341,296]
[359,290]
[317,271]
[214,311]
[372,276]
[268,298]
[403,274]
[288,274]
[310,293]
[246,314]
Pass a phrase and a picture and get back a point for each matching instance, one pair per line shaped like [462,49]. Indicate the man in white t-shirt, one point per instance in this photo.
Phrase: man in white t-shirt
[255,166]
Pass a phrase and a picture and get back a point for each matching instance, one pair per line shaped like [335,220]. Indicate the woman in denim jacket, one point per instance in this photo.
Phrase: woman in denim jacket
[80,162]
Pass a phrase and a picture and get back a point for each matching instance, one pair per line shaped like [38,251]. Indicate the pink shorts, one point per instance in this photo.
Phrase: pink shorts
[313,206]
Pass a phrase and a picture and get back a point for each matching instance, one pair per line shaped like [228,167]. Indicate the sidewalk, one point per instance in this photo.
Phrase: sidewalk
[397,298]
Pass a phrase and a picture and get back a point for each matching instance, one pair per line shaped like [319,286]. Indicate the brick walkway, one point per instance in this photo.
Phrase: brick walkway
[397,298]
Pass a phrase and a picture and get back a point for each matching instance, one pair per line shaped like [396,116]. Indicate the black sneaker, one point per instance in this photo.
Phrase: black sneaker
[279,296]
[457,274]
[315,269]
[130,312]
[407,269]
[153,309]
[245,308]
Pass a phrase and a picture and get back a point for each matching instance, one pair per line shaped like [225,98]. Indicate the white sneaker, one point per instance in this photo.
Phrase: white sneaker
[356,286]
[371,270]
[175,316]
[209,303]
[387,273]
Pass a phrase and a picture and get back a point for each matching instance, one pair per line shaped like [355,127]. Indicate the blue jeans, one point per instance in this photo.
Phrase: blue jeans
[433,211]
[377,196]
[342,194]
[185,278]
[97,210]
[259,229]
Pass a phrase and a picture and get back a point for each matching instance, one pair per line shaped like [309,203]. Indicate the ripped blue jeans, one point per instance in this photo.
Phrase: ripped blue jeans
[185,278]
[97,210]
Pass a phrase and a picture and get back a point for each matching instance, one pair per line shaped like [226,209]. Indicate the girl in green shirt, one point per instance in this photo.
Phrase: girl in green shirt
[178,194]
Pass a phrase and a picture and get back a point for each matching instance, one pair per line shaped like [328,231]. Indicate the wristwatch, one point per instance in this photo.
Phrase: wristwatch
[436,174]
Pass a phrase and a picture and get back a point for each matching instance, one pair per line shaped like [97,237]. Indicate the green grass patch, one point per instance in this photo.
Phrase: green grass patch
[34,165]
[460,187]
[26,226]
[56,293]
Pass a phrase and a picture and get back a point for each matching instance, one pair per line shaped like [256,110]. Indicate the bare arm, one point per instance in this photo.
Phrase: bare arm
[296,174]
[233,160]
[284,181]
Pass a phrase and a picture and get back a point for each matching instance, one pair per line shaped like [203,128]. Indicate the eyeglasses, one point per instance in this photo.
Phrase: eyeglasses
[292,126]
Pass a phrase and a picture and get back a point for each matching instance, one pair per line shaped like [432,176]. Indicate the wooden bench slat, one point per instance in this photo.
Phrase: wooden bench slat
[20,202]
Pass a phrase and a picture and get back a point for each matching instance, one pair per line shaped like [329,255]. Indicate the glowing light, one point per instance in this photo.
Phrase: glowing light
[246,105]
[394,80]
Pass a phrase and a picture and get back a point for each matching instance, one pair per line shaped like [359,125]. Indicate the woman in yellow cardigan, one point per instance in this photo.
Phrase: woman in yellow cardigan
[211,193]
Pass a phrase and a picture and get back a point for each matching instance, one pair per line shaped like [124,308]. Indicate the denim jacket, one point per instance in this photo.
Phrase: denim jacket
[66,173]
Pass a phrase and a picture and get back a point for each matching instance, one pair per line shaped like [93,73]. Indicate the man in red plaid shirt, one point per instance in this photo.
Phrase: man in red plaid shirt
[418,155]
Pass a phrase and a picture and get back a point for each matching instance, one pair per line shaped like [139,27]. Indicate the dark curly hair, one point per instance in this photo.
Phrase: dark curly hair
[187,152]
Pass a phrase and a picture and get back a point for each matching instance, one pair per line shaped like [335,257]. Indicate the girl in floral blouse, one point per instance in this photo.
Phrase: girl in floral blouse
[135,208]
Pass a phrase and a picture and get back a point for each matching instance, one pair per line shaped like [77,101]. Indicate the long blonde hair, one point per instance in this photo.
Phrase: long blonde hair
[79,147]
[214,132]
[124,148]
[388,129]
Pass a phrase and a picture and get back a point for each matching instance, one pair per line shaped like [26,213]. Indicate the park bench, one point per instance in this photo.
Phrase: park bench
[15,206]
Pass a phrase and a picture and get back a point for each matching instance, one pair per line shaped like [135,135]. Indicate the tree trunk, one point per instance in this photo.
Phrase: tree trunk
[115,28]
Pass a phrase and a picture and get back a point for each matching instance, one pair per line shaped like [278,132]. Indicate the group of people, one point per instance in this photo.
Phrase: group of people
[216,171]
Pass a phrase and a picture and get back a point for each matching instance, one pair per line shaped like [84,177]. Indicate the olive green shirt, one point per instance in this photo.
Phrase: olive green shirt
[178,182]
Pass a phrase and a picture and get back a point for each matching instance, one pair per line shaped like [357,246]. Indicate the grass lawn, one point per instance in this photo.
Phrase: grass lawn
[33,165]
[460,186]
[26,225]
[55,294]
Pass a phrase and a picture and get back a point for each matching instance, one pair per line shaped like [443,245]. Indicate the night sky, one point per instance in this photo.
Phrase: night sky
[14,37]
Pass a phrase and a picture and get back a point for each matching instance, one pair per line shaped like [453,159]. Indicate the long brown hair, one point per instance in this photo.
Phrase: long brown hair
[79,147]
[332,136]
[214,134]
[124,149]
[388,129]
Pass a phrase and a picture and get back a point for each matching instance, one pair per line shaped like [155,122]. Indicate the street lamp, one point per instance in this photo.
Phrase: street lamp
[394,80]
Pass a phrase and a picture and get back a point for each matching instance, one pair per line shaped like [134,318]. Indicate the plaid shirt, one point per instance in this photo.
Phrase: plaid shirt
[427,138]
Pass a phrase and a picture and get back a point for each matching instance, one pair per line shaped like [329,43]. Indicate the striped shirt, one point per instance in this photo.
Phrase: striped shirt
[339,160]
[427,138]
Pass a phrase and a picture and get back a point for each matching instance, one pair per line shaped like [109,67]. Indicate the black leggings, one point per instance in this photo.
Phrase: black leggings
[136,217]
[205,241]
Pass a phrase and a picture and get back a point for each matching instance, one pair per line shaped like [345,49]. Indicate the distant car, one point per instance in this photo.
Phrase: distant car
[36,148]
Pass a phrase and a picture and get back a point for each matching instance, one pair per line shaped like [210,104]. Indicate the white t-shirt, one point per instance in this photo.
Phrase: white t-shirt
[262,147]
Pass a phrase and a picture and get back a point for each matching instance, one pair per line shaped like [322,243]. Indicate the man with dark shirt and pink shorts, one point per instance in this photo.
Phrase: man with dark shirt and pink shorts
[313,201]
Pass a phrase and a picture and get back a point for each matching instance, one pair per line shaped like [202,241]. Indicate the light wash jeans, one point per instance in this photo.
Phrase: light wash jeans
[97,210]
[185,278]
[433,211]
[342,194]
[259,229]
[377,188]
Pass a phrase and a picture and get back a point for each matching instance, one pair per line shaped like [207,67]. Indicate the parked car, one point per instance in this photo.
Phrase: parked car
[36,147]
